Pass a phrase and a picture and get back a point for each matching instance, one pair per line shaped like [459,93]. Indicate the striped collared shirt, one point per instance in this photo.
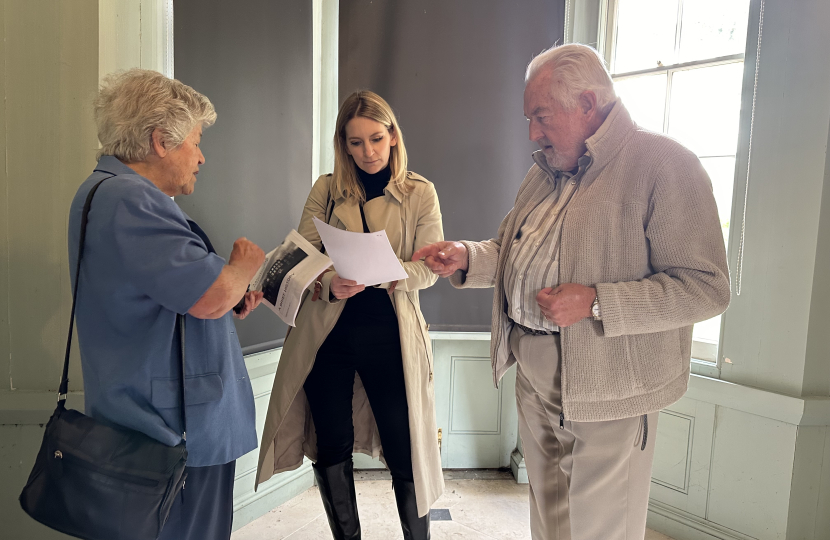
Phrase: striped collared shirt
[533,262]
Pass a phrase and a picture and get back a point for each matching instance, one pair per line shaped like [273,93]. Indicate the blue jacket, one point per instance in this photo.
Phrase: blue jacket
[142,265]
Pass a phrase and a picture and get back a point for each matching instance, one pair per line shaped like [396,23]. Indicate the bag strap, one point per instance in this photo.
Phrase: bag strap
[182,340]
[64,386]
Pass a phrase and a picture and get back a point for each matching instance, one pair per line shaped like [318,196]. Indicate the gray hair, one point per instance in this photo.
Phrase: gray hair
[577,68]
[132,104]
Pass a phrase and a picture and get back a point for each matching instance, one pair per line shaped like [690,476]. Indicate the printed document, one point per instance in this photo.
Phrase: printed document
[367,258]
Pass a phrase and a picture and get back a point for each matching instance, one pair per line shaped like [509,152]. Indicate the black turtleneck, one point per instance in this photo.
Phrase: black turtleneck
[373,184]
[370,309]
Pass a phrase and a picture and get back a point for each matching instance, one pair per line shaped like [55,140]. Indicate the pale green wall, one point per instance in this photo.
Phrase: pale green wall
[816,381]
[54,54]
[50,148]
[766,329]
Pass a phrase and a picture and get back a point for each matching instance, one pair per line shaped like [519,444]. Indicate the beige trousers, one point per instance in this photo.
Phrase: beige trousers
[588,480]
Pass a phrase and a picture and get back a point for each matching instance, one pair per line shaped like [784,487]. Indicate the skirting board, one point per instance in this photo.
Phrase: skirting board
[684,526]
[518,467]
[286,487]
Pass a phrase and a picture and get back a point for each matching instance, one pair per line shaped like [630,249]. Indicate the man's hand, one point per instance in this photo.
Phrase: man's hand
[443,258]
[567,304]
[344,288]
[247,257]
[252,300]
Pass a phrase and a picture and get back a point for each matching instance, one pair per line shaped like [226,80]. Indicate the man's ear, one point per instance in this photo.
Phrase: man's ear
[157,143]
[588,102]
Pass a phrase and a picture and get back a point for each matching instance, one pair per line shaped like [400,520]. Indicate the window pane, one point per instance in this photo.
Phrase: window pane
[645,99]
[704,108]
[722,172]
[646,32]
[707,331]
[713,28]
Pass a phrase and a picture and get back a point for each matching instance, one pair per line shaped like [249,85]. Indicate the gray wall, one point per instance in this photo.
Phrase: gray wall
[454,74]
[252,58]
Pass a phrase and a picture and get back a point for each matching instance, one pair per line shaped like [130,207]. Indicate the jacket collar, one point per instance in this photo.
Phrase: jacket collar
[393,190]
[610,137]
[348,212]
[113,165]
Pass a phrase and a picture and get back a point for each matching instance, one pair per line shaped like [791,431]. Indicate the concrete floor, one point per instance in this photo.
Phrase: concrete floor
[483,505]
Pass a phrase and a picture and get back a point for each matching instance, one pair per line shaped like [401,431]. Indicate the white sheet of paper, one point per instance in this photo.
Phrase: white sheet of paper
[366,258]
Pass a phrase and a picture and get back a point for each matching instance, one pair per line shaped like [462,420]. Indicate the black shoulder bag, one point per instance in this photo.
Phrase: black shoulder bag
[97,481]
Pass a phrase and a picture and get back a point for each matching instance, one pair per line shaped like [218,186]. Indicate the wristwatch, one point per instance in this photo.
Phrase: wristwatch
[595,309]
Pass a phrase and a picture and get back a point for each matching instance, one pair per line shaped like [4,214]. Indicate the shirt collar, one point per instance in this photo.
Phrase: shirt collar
[583,163]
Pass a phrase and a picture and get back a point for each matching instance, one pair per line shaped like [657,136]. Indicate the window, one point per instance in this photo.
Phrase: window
[678,67]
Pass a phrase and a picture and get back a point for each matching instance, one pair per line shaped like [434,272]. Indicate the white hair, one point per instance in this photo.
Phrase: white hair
[576,69]
[132,104]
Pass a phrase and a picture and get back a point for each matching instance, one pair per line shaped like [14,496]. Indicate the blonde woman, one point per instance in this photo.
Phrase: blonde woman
[356,372]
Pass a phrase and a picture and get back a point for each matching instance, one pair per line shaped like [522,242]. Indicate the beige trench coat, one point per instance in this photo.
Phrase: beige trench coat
[411,221]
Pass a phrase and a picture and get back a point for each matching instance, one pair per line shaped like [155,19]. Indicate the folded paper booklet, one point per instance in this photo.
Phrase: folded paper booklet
[286,274]
[367,258]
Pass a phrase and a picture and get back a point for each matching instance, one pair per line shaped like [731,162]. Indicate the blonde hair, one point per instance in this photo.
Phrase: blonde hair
[576,69]
[132,104]
[365,104]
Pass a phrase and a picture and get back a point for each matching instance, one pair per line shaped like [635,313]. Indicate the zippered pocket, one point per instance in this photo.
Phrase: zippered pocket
[73,461]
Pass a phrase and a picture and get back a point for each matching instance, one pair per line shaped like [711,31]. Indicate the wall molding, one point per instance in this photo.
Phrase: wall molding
[799,411]
[518,467]
[35,407]
[457,335]
[690,524]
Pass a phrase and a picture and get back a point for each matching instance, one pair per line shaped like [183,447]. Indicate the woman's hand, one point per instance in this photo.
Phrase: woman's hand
[252,300]
[344,288]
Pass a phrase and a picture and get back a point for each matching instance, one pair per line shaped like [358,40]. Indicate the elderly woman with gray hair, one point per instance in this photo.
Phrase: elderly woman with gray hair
[144,263]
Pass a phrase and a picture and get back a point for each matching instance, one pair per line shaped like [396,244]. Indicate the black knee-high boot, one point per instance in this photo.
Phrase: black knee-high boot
[336,485]
[414,527]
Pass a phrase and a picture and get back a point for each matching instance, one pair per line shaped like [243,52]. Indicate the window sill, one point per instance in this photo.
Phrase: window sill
[705,368]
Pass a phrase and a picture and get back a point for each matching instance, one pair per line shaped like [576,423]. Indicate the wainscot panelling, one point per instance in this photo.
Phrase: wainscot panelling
[680,476]
[247,503]
[752,470]
[478,421]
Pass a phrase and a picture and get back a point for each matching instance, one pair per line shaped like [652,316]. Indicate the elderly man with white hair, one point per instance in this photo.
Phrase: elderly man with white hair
[611,253]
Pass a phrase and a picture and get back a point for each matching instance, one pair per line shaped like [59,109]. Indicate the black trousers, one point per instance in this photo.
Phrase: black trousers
[374,352]
[204,508]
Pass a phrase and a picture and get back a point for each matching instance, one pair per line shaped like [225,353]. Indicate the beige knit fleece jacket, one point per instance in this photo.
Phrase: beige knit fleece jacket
[643,229]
